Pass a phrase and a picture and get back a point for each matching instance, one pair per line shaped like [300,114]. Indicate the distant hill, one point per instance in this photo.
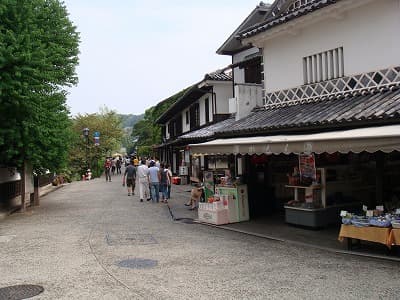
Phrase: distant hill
[130,120]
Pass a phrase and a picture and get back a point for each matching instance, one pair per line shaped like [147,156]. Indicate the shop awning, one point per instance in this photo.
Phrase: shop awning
[370,139]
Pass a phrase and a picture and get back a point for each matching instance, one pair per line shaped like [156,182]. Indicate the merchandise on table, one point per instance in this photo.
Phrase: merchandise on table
[372,218]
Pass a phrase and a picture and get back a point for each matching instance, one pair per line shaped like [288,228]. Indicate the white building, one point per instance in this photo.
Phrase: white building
[202,105]
[330,84]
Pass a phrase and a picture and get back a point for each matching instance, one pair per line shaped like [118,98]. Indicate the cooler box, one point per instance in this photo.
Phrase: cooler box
[216,217]
[237,202]
[176,180]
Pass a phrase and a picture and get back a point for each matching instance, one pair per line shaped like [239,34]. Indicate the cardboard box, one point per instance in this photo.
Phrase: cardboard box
[216,217]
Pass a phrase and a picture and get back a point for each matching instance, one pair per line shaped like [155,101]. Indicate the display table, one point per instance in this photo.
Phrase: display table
[394,237]
[370,233]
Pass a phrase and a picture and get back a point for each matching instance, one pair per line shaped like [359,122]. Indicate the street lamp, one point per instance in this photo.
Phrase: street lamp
[86,135]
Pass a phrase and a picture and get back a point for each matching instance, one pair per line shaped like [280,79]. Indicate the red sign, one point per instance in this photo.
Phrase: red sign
[307,166]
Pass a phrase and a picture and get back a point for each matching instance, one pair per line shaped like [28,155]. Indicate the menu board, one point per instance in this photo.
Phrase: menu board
[307,166]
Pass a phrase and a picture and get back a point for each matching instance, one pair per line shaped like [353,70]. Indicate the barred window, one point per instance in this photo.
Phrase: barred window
[323,66]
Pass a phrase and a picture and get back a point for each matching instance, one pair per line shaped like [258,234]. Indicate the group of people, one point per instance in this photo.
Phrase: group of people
[154,179]
[112,165]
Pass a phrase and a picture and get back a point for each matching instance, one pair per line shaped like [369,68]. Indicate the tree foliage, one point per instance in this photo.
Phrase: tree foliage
[130,120]
[38,56]
[147,132]
[84,153]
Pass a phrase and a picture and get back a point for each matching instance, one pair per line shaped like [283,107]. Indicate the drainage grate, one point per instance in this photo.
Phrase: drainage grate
[137,263]
[129,239]
[23,291]
[185,220]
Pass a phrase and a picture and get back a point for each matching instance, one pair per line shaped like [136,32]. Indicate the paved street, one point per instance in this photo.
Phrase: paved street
[89,240]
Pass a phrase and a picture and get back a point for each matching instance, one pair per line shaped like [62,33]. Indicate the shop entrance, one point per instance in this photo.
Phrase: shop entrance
[262,201]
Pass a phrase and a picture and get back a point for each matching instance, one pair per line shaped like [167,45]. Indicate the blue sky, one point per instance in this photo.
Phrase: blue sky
[136,53]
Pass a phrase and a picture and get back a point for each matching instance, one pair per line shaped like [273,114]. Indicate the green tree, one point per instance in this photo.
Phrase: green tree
[85,152]
[38,56]
[147,132]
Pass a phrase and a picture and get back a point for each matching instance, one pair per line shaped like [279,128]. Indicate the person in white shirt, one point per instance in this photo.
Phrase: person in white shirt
[142,173]
[154,179]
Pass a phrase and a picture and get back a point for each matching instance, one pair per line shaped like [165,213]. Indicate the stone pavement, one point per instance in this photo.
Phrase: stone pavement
[89,240]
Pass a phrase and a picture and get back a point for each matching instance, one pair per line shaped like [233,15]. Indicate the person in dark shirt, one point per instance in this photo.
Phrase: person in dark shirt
[130,178]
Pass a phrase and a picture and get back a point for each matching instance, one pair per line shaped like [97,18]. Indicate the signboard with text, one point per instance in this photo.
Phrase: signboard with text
[307,166]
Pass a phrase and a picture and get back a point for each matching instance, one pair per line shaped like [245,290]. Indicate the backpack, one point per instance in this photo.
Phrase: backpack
[163,174]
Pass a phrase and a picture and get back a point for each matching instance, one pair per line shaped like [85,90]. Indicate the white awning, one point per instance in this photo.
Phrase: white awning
[371,139]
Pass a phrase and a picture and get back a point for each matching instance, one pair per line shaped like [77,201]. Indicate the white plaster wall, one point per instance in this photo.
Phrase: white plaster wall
[238,75]
[369,36]
[211,105]
[223,92]
[185,127]
[247,97]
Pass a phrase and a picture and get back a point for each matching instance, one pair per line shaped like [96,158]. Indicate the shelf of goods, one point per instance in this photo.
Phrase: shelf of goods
[313,212]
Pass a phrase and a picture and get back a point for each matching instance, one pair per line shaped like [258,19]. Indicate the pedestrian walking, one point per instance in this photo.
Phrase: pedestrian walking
[154,179]
[167,167]
[163,183]
[113,166]
[118,165]
[142,173]
[135,162]
[107,169]
[130,179]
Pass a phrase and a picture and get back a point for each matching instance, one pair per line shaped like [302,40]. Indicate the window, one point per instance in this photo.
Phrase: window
[323,66]
[194,116]
[187,117]
[207,110]
[253,70]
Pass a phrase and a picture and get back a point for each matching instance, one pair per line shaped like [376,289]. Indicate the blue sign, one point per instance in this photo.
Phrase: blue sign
[96,134]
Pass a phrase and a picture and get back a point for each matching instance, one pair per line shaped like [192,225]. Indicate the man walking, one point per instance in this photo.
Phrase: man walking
[154,179]
[130,175]
[107,169]
[142,173]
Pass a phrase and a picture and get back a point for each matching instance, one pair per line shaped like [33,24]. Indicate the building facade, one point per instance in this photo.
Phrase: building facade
[330,89]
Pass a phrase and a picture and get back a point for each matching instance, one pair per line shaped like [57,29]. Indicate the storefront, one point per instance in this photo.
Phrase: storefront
[310,178]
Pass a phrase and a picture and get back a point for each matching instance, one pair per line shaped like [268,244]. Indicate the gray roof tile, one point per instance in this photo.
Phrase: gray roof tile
[376,105]
[285,17]
[208,131]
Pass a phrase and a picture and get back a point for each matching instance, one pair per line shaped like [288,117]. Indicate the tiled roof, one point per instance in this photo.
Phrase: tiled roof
[208,131]
[376,106]
[304,10]
[218,76]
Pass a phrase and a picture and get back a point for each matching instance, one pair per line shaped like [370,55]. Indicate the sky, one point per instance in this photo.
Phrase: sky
[136,53]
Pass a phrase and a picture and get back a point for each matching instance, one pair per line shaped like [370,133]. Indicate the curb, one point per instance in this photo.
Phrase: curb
[50,189]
